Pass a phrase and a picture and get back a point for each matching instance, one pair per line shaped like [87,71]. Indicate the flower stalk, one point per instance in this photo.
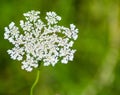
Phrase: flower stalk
[35,82]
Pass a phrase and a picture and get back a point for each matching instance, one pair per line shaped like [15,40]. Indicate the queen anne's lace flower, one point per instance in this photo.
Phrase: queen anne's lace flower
[48,43]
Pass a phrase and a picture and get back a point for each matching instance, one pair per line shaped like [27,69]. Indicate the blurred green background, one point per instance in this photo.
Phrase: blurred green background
[96,66]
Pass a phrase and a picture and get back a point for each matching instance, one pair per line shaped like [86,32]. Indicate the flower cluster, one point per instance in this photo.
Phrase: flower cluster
[38,41]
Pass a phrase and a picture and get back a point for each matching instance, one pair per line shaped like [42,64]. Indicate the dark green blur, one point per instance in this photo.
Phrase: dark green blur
[96,66]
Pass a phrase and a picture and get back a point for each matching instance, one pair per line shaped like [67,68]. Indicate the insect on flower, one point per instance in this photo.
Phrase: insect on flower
[48,43]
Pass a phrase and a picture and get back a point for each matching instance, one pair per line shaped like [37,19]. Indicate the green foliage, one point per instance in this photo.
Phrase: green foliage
[96,66]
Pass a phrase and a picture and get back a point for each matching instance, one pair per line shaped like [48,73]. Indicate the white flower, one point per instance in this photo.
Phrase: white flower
[29,63]
[26,26]
[11,33]
[32,15]
[52,18]
[16,53]
[48,43]
[74,31]
[39,25]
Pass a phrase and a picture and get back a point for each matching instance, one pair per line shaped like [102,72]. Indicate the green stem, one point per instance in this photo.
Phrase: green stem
[35,82]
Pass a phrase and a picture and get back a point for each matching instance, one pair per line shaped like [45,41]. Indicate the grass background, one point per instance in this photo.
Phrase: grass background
[96,66]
